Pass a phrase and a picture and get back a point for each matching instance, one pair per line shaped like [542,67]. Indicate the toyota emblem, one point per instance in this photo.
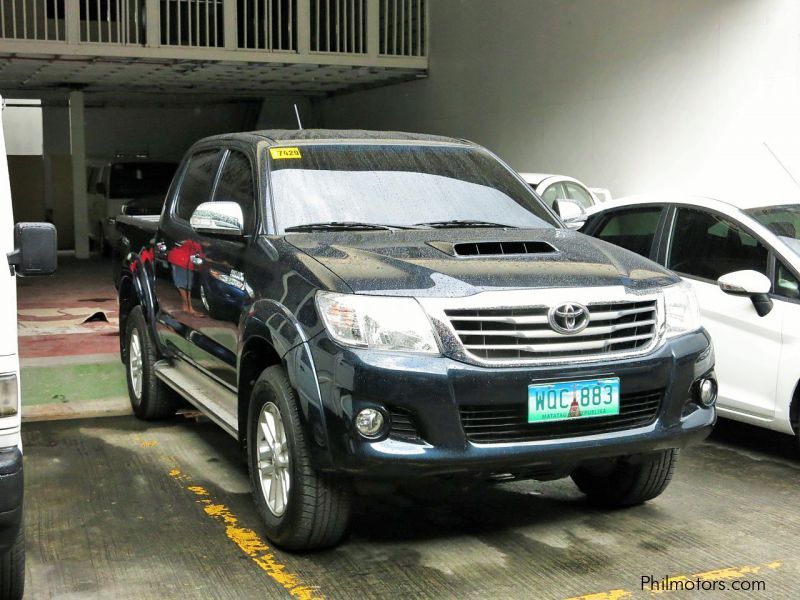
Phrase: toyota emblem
[569,318]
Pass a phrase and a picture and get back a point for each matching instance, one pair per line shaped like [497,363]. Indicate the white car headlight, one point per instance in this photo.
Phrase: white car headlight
[682,310]
[9,395]
[377,322]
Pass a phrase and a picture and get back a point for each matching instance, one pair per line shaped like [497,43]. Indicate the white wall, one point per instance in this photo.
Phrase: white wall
[22,128]
[634,95]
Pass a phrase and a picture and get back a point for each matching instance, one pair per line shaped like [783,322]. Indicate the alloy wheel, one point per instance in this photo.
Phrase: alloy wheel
[273,459]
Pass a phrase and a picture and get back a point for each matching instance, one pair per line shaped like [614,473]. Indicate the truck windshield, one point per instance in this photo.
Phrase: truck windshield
[134,180]
[400,185]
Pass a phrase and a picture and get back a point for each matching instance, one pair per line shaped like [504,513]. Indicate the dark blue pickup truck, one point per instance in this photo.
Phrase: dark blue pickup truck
[363,309]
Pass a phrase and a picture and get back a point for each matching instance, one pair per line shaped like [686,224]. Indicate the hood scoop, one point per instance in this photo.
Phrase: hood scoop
[504,248]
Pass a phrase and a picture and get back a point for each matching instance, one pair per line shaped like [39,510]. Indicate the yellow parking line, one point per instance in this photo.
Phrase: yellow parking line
[247,540]
[716,575]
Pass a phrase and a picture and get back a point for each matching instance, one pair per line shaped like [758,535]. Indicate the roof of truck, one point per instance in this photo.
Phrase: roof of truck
[279,136]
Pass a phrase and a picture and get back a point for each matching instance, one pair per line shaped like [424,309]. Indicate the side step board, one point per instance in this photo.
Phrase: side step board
[216,401]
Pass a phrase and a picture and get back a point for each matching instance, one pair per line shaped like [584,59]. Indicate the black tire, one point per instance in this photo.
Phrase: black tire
[155,399]
[628,484]
[12,569]
[317,512]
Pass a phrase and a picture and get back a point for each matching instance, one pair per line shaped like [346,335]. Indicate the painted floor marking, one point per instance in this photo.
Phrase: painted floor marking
[716,575]
[247,540]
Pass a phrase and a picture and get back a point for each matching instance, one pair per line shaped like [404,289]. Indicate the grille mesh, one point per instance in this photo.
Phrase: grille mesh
[509,423]
[525,333]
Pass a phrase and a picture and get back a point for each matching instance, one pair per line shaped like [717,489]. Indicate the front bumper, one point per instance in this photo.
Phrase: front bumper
[10,496]
[433,390]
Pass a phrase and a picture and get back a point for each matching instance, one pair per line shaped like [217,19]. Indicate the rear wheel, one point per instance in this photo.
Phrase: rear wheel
[150,397]
[628,483]
[12,569]
[302,509]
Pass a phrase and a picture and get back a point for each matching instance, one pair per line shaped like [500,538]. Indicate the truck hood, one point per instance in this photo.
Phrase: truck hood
[431,262]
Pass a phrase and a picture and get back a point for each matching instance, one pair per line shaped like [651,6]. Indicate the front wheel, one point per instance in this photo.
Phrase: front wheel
[302,509]
[12,569]
[628,483]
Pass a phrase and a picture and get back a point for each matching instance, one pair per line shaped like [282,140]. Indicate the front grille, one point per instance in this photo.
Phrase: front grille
[403,426]
[525,333]
[508,423]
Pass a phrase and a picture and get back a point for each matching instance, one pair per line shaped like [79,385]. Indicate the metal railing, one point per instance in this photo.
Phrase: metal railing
[32,20]
[361,28]
[195,23]
[339,26]
[266,24]
[113,22]
[403,29]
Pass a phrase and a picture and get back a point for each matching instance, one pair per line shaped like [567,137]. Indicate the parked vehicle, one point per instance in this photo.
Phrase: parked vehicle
[119,183]
[367,309]
[744,264]
[29,249]
[553,188]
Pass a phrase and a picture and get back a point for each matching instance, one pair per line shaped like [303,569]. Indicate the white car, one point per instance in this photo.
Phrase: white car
[744,264]
[559,187]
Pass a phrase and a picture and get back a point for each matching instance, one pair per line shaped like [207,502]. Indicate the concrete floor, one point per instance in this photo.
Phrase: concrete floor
[116,508]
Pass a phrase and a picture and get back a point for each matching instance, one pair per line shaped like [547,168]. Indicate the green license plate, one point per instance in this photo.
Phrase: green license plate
[573,400]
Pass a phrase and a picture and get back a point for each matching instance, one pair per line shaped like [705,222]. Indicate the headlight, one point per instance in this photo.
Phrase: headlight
[682,311]
[8,395]
[377,322]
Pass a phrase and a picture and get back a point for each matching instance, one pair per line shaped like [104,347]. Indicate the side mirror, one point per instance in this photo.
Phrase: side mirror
[35,249]
[753,284]
[218,218]
[572,213]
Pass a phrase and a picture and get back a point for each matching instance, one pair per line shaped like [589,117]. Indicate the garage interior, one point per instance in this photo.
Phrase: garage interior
[640,96]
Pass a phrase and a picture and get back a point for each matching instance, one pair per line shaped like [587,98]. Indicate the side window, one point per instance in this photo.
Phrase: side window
[578,194]
[634,229]
[553,193]
[236,185]
[708,246]
[197,182]
[786,283]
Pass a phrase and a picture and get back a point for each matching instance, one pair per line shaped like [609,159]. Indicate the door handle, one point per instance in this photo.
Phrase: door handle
[196,260]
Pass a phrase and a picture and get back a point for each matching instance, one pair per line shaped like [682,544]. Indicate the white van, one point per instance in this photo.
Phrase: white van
[30,249]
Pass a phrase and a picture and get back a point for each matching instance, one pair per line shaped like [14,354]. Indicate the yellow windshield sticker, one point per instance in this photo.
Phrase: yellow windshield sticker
[281,153]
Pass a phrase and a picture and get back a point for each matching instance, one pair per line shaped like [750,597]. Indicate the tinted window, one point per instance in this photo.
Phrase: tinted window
[134,180]
[786,283]
[236,185]
[578,194]
[707,246]
[783,221]
[398,184]
[197,182]
[633,229]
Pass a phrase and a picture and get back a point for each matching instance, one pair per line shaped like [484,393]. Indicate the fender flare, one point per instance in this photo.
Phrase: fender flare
[140,275]
[274,324]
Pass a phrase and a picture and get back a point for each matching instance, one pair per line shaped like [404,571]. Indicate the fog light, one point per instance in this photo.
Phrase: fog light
[708,392]
[369,423]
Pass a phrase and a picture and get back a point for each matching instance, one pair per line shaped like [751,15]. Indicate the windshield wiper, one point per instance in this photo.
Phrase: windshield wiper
[455,223]
[342,226]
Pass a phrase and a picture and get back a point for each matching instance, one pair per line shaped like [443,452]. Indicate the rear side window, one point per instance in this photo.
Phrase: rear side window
[708,246]
[236,185]
[633,229]
[197,182]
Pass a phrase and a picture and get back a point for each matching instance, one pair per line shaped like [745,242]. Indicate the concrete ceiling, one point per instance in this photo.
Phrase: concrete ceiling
[232,79]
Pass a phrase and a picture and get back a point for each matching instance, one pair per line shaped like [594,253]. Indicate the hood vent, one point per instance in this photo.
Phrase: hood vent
[505,248]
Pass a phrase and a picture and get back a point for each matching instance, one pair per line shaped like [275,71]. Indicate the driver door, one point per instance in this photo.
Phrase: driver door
[704,246]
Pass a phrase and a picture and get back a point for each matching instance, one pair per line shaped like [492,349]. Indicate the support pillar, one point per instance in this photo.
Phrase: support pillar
[78,152]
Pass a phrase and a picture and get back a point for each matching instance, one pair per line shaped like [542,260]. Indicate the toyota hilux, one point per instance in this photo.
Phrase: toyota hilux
[367,309]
